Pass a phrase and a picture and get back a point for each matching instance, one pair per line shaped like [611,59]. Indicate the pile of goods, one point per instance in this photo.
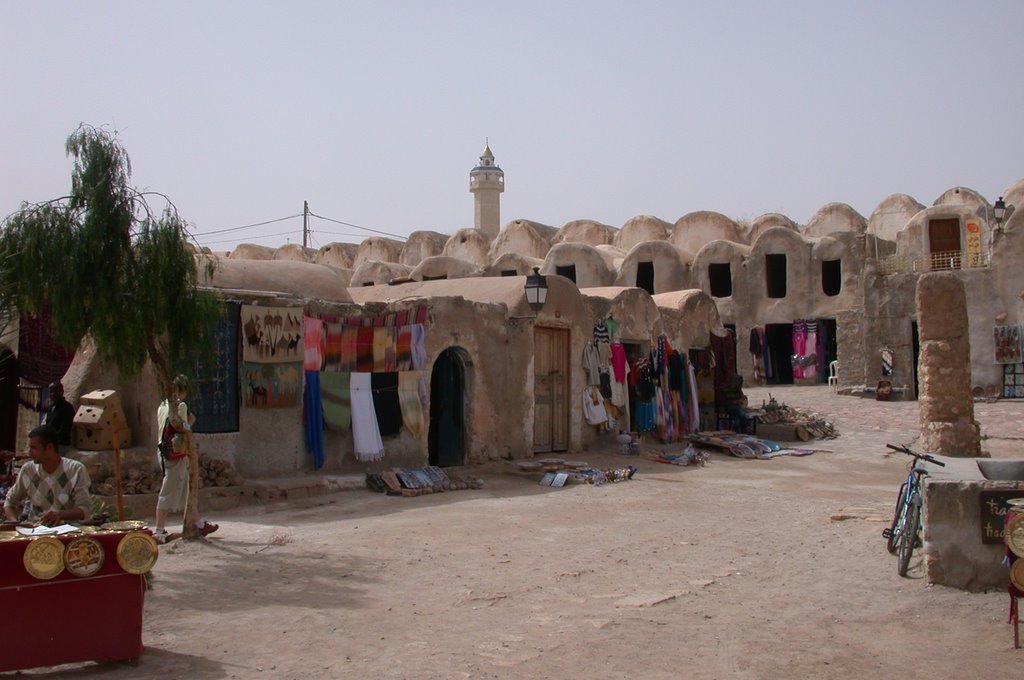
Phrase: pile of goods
[419,481]
[82,550]
[807,426]
[689,456]
[558,472]
[745,445]
[139,481]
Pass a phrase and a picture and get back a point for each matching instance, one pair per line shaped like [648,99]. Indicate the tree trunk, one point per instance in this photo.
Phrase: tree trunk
[189,529]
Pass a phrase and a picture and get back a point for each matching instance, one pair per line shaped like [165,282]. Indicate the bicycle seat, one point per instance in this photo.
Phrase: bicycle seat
[920,469]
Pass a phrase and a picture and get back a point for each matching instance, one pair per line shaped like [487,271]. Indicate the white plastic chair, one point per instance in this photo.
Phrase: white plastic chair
[833,375]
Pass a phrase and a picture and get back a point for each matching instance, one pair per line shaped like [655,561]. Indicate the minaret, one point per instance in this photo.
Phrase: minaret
[486,182]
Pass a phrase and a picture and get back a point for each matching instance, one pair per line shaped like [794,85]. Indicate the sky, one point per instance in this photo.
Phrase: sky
[375,112]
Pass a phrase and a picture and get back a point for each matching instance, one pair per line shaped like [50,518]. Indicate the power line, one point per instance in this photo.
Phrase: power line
[262,236]
[356,226]
[247,226]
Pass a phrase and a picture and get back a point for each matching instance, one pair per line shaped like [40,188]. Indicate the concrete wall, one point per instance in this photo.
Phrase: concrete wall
[593,268]
[641,228]
[524,237]
[953,551]
[469,245]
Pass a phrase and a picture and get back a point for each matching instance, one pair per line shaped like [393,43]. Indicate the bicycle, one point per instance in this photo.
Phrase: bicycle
[905,532]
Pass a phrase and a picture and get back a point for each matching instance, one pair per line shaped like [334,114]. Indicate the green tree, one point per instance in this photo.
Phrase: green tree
[108,266]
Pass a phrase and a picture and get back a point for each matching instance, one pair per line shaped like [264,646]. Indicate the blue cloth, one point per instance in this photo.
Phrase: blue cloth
[214,397]
[313,412]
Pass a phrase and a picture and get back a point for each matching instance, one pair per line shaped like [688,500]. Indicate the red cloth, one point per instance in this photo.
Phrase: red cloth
[106,611]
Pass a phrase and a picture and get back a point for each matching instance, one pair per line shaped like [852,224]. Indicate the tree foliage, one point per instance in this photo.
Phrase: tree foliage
[107,266]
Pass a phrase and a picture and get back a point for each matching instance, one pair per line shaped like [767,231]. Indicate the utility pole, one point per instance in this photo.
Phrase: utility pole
[305,224]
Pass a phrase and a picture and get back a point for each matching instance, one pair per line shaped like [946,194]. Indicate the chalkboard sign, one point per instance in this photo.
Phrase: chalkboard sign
[993,513]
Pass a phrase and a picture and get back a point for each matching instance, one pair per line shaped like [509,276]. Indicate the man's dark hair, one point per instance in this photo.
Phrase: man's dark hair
[47,435]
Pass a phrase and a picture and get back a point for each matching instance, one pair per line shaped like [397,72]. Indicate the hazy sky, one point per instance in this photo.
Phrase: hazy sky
[375,112]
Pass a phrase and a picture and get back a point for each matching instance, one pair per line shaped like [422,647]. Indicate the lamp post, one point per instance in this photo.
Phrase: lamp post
[999,212]
[536,290]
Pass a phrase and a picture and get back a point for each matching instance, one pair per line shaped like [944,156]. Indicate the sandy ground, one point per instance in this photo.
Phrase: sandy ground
[733,570]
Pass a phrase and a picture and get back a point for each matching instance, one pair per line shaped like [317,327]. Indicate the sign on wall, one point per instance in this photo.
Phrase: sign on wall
[1007,342]
[993,513]
[974,256]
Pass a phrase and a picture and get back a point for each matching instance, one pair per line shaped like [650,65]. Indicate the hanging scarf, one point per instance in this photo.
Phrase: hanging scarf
[313,416]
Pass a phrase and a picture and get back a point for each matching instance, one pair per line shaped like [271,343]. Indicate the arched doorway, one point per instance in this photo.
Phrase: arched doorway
[8,399]
[446,440]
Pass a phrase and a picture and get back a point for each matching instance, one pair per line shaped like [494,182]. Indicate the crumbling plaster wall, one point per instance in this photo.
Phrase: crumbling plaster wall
[591,232]
[420,245]
[470,245]
[641,228]
[696,229]
[593,268]
[913,241]
[377,249]
[671,266]
[532,239]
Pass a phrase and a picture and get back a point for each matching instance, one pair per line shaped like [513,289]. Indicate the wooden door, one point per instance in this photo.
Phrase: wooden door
[550,390]
[944,237]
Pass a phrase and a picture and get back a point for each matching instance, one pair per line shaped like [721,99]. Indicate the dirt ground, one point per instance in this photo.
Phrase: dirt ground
[733,570]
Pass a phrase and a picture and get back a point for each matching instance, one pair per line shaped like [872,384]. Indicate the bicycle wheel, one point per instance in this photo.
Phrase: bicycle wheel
[908,537]
[893,540]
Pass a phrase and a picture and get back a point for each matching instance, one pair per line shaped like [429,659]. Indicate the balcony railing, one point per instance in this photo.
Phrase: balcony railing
[931,262]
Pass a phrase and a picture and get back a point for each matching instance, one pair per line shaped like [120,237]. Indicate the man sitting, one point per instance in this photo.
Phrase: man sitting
[56,489]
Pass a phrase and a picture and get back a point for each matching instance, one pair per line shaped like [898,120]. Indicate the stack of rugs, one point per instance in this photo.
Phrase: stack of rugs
[419,481]
[745,445]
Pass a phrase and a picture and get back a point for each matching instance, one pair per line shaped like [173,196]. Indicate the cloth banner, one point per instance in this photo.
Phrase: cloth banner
[272,385]
[314,419]
[336,398]
[410,400]
[365,433]
[214,398]
[272,334]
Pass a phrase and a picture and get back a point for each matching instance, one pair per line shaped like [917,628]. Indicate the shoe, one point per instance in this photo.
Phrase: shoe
[208,528]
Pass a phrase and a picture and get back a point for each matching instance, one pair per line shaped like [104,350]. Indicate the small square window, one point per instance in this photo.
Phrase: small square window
[720,279]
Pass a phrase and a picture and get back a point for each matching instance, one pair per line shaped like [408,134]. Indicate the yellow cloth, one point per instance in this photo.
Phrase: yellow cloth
[409,400]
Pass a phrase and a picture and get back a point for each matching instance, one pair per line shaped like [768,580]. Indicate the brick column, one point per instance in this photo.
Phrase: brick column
[946,405]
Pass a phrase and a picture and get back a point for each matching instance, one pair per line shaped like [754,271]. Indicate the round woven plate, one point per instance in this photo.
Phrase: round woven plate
[84,556]
[44,557]
[1017,574]
[1015,535]
[126,525]
[137,552]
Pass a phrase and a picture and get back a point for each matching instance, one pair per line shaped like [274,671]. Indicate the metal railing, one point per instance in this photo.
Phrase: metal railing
[931,262]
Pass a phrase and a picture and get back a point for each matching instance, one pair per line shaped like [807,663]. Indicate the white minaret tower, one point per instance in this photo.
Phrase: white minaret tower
[486,182]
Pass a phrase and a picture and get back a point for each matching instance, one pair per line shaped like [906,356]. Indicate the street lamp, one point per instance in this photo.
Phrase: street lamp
[999,211]
[536,290]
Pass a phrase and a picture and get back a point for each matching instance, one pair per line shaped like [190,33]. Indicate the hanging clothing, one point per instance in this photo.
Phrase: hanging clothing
[604,355]
[601,333]
[590,364]
[336,400]
[386,404]
[313,417]
[364,349]
[381,342]
[418,348]
[409,400]
[618,360]
[403,349]
[619,392]
[365,433]
[593,407]
[810,350]
[756,347]
[312,343]
[613,329]
[694,404]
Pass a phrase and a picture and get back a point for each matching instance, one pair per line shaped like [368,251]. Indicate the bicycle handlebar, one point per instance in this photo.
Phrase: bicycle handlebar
[925,456]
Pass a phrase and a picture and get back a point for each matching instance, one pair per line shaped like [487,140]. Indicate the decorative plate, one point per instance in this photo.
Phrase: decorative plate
[44,557]
[84,556]
[137,552]
[125,525]
[1015,535]
[1017,575]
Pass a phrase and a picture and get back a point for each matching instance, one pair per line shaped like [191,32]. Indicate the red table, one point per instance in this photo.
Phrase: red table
[68,618]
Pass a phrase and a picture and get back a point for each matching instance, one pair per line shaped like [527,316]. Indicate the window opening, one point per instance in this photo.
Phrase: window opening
[645,276]
[775,275]
[720,278]
[568,271]
[831,277]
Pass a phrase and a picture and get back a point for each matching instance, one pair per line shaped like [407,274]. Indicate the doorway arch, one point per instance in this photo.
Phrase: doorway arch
[446,438]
